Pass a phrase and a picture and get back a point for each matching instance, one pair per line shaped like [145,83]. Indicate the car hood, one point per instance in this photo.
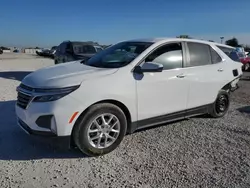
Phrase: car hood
[64,75]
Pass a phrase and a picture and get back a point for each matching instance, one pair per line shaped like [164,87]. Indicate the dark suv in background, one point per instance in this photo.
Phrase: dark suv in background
[74,50]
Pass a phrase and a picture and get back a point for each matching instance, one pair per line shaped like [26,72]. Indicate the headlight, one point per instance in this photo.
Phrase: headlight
[47,95]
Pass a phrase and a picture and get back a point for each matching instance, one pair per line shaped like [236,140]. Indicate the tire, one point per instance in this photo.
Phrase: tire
[81,132]
[221,104]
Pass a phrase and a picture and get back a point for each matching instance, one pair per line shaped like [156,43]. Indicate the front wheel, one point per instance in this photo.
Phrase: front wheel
[100,130]
[221,105]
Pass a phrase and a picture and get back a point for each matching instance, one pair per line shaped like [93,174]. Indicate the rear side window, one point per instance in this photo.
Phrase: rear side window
[199,54]
[215,56]
[83,49]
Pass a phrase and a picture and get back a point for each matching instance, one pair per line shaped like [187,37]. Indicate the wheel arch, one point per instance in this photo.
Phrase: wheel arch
[226,87]
[122,106]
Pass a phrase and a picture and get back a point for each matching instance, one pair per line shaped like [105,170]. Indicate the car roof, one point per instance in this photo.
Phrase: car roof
[224,45]
[156,40]
[79,42]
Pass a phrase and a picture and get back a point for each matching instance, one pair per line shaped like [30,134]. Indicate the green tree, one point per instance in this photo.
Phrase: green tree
[232,42]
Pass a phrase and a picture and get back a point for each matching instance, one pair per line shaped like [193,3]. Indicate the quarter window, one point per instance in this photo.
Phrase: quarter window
[199,54]
[226,50]
[215,56]
[231,53]
[170,56]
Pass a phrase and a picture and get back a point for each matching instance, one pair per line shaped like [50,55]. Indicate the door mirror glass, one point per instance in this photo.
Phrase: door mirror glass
[149,67]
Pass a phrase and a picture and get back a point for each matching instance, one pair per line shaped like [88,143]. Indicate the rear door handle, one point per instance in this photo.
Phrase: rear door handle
[181,76]
[220,70]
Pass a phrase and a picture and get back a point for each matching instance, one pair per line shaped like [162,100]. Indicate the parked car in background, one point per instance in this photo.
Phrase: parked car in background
[245,60]
[44,53]
[128,86]
[47,52]
[52,52]
[74,50]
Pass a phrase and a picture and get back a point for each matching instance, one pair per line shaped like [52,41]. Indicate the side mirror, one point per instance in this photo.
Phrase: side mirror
[149,67]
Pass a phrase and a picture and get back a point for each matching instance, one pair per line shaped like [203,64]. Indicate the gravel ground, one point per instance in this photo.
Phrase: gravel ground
[199,152]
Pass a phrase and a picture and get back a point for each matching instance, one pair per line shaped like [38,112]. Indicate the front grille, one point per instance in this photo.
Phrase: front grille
[23,99]
[26,87]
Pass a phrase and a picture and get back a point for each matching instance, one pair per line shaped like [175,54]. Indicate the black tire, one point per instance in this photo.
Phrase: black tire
[81,127]
[221,104]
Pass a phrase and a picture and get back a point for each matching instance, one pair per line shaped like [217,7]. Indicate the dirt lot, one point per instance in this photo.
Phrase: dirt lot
[200,152]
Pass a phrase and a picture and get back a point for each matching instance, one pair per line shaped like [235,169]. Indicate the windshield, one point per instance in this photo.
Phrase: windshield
[118,55]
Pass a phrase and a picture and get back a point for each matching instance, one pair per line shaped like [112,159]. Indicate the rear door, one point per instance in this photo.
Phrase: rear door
[204,71]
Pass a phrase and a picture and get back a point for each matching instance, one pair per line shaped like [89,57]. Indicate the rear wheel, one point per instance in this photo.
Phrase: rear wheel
[221,105]
[100,130]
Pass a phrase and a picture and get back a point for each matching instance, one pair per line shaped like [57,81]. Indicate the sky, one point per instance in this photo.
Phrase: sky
[46,23]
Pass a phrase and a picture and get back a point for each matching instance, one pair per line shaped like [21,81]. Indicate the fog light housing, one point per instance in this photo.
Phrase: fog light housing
[44,121]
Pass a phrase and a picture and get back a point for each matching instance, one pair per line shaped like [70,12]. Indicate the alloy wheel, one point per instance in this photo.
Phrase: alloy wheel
[103,130]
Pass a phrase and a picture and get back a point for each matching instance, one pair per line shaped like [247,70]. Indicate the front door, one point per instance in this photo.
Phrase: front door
[163,92]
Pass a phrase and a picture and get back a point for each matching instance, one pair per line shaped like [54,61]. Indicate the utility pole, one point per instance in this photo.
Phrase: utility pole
[221,39]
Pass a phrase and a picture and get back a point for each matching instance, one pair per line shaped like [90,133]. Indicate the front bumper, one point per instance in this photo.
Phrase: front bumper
[30,131]
[49,118]
[62,142]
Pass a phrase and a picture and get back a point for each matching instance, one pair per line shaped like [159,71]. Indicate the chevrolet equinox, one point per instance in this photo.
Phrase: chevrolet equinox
[128,86]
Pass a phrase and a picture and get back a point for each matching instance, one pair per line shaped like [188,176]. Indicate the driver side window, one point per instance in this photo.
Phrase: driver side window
[169,55]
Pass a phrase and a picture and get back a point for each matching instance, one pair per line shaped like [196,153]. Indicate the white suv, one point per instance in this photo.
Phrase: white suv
[130,85]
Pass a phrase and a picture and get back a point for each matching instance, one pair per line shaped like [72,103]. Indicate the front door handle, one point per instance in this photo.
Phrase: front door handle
[220,70]
[181,76]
